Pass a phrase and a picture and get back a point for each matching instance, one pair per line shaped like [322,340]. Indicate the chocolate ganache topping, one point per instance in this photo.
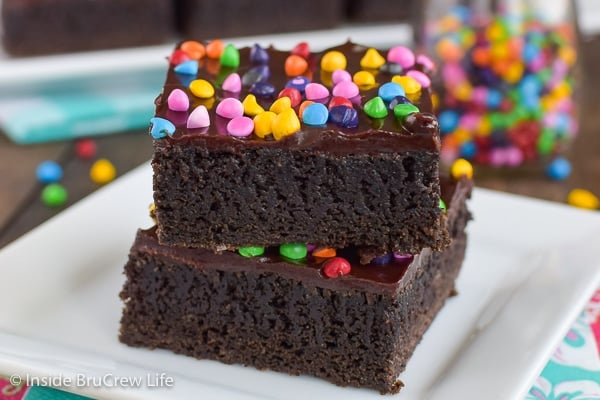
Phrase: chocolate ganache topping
[411,130]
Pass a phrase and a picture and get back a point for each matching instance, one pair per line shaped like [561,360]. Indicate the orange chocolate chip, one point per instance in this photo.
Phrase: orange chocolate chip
[324,252]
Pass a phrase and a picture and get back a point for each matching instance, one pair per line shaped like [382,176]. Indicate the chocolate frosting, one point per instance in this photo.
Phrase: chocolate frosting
[387,135]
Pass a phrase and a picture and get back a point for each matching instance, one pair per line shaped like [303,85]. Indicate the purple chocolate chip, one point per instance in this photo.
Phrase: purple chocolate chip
[262,89]
[384,259]
[298,83]
[258,55]
[259,73]
[398,100]
[343,116]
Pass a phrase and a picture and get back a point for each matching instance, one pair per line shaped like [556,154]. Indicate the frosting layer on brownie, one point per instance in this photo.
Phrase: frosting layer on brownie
[388,134]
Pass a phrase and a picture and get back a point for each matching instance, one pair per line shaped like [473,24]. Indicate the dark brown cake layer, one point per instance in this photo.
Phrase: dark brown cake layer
[34,27]
[384,10]
[408,11]
[356,330]
[374,185]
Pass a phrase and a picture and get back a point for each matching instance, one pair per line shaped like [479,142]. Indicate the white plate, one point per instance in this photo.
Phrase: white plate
[530,268]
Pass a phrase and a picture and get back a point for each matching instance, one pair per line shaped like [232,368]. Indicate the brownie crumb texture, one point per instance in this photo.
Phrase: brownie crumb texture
[225,200]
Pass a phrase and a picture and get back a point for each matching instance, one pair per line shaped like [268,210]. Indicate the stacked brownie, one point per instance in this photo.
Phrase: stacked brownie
[32,27]
[207,18]
[302,225]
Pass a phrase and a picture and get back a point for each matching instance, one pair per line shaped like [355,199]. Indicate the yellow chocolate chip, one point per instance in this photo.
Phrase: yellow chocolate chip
[263,122]
[285,124]
[583,199]
[251,106]
[202,88]
[152,211]
[333,60]
[461,167]
[364,79]
[372,59]
[280,105]
[410,84]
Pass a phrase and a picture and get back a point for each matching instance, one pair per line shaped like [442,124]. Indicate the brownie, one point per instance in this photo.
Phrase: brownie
[227,18]
[411,12]
[33,27]
[382,10]
[268,312]
[372,184]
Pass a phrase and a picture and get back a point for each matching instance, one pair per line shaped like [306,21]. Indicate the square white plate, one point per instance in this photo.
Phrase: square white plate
[530,268]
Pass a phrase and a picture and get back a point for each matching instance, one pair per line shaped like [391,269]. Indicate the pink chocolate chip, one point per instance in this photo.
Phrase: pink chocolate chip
[340,75]
[536,64]
[198,118]
[479,94]
[178,100]
[453,72]
[347,89]
[230,108]
[240,127]
[514,156]
[315,91]
[470,121]
[401,55]
[497,157]
[233,83]
[420,77]
[426,62]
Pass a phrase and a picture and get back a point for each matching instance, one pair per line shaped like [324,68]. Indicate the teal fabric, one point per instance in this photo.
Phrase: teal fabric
[46,393]
[79,108]
[573,371]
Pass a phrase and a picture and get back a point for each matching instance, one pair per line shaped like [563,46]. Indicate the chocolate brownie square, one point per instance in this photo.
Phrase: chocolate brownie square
[365,175]
[33,27]
[227,18]
[357,329]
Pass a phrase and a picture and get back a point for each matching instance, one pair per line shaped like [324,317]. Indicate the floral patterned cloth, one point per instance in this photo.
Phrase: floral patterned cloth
[572,373]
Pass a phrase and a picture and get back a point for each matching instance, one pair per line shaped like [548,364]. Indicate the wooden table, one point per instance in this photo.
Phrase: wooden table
[21,208]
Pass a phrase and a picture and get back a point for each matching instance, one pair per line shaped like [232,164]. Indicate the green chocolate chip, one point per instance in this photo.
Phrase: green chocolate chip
[497,120]
[54,195]
[293,251]
[402,110]
[375,108]
[442,205]
[546,142]
[230,57]
[545,75]
[251,251]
